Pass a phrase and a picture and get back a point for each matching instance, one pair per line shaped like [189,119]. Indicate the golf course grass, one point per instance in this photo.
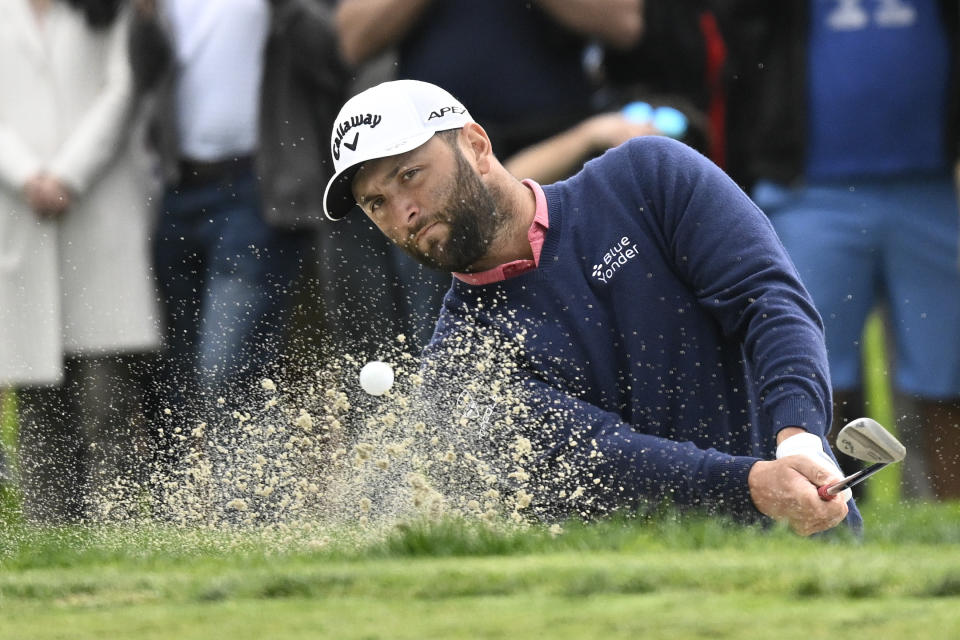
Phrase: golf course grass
[666,577]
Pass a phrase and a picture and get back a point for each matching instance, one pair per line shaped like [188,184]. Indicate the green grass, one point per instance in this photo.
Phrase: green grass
[665,577]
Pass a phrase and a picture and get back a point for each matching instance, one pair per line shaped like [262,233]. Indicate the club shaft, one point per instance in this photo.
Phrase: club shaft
[854,479]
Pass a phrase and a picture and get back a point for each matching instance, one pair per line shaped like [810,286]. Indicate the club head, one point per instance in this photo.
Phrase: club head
[866,439]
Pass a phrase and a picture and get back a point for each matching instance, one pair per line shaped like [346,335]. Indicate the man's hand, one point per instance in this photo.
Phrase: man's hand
[810,445]
[146,7]
[786,490]
[47,196]
[33,192]
[559,156]
[608,130]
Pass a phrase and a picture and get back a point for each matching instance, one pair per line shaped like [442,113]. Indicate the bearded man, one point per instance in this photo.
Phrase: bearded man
[665,346]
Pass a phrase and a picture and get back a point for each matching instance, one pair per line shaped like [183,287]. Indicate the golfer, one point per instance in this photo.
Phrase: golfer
[668,340]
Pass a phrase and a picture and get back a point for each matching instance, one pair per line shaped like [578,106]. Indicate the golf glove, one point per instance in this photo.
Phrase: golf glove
[810,445]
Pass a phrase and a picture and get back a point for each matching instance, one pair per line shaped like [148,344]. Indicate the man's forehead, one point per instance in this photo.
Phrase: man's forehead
[372,168]
[383,168]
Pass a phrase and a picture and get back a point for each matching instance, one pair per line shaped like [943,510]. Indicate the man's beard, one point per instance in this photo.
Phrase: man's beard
[470,211]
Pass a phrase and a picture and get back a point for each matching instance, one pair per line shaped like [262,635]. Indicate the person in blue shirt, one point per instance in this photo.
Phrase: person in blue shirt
[844,126]
[660,341]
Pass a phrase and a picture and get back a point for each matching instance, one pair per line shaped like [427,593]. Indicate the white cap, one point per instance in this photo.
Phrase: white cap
[386,120]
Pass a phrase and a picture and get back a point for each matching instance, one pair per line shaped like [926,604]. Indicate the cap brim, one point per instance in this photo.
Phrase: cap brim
[338,200]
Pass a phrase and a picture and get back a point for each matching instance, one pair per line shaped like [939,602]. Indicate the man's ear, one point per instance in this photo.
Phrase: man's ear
[478,146]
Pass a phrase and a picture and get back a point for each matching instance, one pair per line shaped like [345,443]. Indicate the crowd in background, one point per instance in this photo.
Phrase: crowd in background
[163,246]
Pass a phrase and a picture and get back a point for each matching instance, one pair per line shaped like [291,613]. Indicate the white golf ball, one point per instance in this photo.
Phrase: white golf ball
[376,377]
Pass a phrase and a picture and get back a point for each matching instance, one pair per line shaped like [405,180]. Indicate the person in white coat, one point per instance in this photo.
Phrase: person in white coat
[77,302]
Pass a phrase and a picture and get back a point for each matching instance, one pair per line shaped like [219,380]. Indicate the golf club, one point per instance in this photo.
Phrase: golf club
[864,439]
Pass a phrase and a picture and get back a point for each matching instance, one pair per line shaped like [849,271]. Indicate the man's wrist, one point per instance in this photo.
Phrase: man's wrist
[786,432]
[800,443]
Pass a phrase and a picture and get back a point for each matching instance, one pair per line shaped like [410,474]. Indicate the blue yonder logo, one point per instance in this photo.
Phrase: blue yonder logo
[614,259]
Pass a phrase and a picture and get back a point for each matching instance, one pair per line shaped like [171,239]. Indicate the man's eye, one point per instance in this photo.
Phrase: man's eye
[409,174]
[375,204]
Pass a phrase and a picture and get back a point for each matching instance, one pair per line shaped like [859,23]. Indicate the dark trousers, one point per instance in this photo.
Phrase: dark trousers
[225,278]
[83,440]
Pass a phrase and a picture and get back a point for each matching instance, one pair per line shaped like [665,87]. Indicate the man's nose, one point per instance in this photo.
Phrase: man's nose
[407,213]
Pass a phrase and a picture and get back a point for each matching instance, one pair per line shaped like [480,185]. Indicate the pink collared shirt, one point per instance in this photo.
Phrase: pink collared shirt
[535,234]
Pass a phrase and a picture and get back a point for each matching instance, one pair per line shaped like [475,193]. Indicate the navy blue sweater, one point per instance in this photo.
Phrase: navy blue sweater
[666,337]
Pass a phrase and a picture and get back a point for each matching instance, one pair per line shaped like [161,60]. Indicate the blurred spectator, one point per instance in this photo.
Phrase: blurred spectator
[681,61]
[518,64]
[671,82]
[76,298]
[243,95]
[562,155]
[846,125]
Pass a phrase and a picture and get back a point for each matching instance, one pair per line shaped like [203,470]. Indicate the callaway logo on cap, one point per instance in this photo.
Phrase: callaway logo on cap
[385,120]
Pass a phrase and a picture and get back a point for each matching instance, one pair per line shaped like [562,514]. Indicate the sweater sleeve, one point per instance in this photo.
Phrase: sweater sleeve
[593,451]
[585,460]
[723,245]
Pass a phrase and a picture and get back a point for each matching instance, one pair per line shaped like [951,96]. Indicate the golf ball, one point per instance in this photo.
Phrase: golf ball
[376,377]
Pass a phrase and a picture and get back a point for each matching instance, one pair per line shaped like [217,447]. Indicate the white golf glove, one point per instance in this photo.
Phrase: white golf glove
[810,445]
